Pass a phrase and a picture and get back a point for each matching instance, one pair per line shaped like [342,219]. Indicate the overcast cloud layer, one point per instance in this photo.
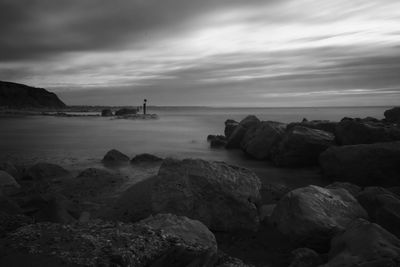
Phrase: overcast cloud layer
[208,52]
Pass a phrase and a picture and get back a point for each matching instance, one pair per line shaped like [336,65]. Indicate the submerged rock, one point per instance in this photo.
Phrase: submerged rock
[45,171]
[221,196]
[115,157]
[312,215]
[216,141]
[301,146]
[364,244]
[145,158]
[125,111]
[393,115]
[236,137]
[258,140]
[367,164]
[106,113]
[353,132]
[101,243]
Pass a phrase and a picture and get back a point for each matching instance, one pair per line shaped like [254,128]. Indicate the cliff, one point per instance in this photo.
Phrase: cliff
[15,95]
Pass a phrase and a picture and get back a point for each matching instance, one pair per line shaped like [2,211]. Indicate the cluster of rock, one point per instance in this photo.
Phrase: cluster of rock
[369,145]
[115,157]
[120,112]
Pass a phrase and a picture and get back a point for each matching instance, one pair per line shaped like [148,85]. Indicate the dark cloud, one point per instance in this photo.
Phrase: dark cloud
[40,28]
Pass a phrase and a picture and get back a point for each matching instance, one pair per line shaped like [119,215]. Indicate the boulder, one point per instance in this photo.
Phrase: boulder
[125,111]
[305,257]
[230,126]
[145,158]
[10,169]
[237,135]
[301,146]
[8,185]
[258,140]
[271,193]
[393,115]
[327,126]
[221,196]
[383,208]
[100,243]
[312,215]
[45,171]
[9,222]
[367,164]
[115,157]
[50,207]
[106,113]
[91,183]
[357,131]
[352,188]
[364,244]
[191,231]
[216,141]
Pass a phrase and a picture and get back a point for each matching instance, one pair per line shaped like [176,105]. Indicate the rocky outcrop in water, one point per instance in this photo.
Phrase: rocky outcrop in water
[107,113]
[221,196]
[260,139]
[301,146]
[236,137]
[393,115]
[145,158]
[327,126]
[15,95]
[115,157]
[366,164]
[125,111]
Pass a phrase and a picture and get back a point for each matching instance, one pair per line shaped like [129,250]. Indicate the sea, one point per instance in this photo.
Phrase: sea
[179,132]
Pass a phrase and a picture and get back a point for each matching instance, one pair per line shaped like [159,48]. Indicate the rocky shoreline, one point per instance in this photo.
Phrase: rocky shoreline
[193,212]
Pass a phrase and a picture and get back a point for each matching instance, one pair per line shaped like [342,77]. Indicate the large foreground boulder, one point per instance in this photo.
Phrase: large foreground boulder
[258,140]
[301,146]
[393,115]
[236,137]
[312,215]
[357,131]
[221,196]
[364,244]
[109,244]
[45,171]
[367,164]
[383,208]
[115,157]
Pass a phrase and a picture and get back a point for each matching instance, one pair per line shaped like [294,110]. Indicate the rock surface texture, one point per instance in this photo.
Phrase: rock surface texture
[367,164]
[312,215]
[221,196]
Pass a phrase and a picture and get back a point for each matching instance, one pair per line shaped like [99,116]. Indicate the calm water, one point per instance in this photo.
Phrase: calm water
[179,132]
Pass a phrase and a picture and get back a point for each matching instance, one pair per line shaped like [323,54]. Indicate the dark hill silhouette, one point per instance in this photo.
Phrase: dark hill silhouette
[15,95]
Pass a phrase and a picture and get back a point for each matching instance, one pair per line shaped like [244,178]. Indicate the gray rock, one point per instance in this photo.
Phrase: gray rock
[352,188]
[230,126]
[393,115]
[327,126]
[99,243]
[367,164]
[115,157]
[312,215]
[353,132]
[364,244]
[383,208]
[301,146]
[221,196]
[305,257]
[258,140]
[106,113]
[125,111]
[45,171]
[145,158]
[10,169]
[237,135]
[8,185]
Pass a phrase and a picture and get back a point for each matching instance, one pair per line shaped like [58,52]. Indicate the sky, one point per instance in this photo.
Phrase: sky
[250,53]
